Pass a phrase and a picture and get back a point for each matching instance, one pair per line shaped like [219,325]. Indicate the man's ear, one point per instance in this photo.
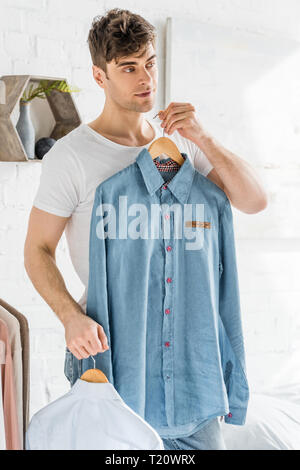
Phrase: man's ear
[98,75]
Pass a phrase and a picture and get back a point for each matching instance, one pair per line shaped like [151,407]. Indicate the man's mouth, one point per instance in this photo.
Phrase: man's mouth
[144,94]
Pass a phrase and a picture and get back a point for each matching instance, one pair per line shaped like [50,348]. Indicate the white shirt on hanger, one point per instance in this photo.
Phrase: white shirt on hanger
[91,416]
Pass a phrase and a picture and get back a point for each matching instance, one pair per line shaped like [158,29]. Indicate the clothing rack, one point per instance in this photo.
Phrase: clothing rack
[14,377]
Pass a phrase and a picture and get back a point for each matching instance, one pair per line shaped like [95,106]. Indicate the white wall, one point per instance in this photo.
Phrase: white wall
[48,37]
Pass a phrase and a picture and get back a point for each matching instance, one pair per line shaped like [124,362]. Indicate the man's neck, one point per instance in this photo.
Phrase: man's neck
[145,135]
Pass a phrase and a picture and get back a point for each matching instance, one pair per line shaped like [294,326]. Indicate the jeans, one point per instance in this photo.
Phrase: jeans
[209,437]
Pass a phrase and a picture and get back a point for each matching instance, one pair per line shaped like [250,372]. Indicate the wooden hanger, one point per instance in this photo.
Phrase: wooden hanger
[166,146]
[94,375]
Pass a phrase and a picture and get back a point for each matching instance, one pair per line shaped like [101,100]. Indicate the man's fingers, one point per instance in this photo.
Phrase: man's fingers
[95,345]
[90,342]
[75,351]
[84,353]
[98,343]
[102,337]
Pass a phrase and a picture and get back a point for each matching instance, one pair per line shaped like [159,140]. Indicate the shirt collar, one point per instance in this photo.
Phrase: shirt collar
[180,184]
[104,390]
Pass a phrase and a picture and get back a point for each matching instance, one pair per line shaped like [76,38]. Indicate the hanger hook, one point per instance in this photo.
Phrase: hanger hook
[163,127]
[94,362]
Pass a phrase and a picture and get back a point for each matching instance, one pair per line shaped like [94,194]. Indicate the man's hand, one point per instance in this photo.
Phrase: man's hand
[84,336]
[181,117]
[236,177]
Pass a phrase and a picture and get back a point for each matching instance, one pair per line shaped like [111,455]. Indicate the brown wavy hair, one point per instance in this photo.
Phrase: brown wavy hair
[117,34]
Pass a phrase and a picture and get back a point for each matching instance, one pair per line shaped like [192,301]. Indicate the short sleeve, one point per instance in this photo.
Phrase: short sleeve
[97,306]
[61,183]
[201,162]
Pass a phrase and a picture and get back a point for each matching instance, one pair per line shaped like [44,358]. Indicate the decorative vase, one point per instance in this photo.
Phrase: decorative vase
[26,130]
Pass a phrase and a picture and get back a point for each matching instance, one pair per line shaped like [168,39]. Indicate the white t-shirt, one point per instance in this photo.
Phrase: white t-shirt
[74,167]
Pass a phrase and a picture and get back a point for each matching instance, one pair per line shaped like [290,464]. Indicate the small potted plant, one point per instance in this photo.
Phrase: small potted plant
[24,125]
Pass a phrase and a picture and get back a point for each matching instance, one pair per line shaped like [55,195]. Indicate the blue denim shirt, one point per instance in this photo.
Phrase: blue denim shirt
[169,305]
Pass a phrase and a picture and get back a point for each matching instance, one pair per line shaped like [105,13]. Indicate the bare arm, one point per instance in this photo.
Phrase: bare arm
[84,336]
[236,177]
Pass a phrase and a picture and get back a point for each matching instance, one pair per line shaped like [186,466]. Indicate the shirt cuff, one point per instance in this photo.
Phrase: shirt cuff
[236,416]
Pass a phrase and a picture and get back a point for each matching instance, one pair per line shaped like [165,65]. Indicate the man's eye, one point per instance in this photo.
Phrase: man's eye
[131,68]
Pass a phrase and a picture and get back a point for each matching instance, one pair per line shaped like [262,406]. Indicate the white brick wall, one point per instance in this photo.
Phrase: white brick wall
[48,37]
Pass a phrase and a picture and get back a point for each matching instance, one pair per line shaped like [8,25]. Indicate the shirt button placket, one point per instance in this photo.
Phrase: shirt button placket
[167,312]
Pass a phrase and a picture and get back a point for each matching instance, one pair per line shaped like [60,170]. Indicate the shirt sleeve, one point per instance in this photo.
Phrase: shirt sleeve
[61,183]
[230,313]
[97,301]
[201,162]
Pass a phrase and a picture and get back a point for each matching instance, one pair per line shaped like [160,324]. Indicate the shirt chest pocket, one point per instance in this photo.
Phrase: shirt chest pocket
[196,232]
[195,225]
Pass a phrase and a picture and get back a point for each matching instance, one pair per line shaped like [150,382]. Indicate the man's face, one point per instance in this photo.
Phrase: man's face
[131,76]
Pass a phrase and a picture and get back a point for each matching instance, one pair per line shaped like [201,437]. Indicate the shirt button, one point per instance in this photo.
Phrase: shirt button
[168,376]
[167,216]
[169,280]
[167,344]
[169,248]
[167,310]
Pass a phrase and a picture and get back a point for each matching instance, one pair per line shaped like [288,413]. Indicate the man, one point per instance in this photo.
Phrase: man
[122,47]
